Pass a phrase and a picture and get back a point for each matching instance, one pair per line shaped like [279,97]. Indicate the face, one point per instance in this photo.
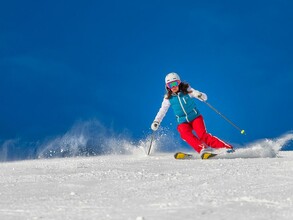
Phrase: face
[175,89]
[174,86]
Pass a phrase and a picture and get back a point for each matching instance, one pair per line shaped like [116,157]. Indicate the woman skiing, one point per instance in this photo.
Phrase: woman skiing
[180,96]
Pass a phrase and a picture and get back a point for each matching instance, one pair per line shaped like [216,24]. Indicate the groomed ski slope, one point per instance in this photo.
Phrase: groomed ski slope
[137,186]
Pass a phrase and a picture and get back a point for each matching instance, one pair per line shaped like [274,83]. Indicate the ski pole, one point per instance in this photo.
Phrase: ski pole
[152,138]
[223,116]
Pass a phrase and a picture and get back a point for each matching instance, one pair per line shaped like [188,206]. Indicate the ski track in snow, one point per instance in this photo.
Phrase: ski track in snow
[255,182]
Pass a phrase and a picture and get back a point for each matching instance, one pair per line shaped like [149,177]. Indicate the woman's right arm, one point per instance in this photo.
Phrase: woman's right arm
[163,110]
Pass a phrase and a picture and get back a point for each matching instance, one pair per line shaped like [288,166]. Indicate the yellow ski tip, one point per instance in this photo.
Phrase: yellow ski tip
[179,156]
[207,155]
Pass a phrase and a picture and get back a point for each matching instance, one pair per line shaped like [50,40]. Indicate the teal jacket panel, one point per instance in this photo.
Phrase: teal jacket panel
[184,107]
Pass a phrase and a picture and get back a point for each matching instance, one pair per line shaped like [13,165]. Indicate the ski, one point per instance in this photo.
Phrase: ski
[186,156]
[204,156]
[183,156]
[207,155]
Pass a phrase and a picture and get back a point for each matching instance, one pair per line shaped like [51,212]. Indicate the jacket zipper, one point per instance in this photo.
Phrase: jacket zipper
[182,107]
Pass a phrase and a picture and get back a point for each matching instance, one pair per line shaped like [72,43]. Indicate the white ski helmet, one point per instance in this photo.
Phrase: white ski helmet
[172,77]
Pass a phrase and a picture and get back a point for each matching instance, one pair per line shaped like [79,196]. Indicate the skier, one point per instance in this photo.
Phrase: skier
[180,96]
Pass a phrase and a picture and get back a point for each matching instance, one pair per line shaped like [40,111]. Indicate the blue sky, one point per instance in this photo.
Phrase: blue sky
[66,61]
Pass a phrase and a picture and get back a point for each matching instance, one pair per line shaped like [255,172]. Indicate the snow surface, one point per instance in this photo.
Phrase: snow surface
[255,183]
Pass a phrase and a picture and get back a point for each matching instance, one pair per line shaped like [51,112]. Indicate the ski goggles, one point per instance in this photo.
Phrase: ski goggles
[172,84]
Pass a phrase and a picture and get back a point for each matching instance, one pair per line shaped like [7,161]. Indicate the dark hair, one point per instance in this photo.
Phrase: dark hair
[182,88]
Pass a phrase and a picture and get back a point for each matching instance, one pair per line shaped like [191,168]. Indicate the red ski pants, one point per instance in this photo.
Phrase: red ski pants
[197,142]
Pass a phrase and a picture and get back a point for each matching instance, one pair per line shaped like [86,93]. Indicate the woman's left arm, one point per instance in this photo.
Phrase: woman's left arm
[197,94]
